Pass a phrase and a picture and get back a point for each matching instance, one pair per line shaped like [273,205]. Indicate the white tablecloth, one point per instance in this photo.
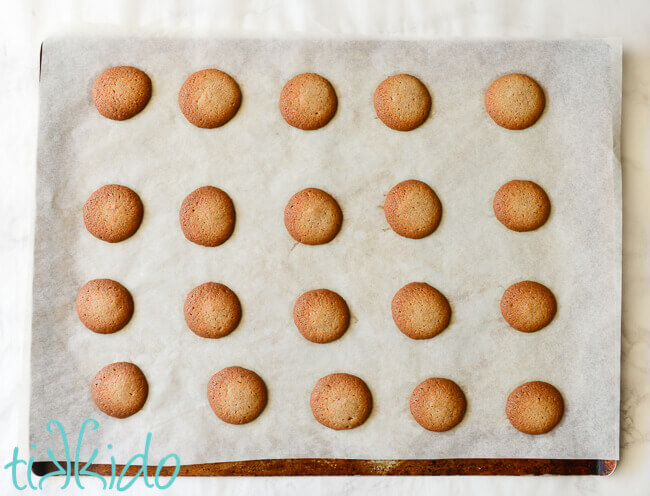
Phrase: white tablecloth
[24,24]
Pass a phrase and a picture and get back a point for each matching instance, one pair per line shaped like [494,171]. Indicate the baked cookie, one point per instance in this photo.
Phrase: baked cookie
[209,98]
[528,306]
[341,401]
[308,101]
[104,306]
[121,92]
[521,205]
[212,310]
[515,101]
[420,311]
[438,404]
[321,315]
[312,217]
[207,216]
[535,407]
[120,389]
[402,102]
[237,395]
[412,209]
[113,213]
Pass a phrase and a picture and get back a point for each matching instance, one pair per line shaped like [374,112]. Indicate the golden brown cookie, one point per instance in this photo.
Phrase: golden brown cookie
[402,102]
[212,310]
[341,401]
[412,209]
[237,395]
[515,101]
[438,404]
[104,306]
[209,98]
[312,217]
[535,407]
[321,315]
[528,306]
[121,92]
[521,205]
[308,101]
[120,389]
[207,216]
[420,311]
[113,213]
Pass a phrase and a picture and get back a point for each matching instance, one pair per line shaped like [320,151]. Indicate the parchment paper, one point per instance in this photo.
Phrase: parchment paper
[261,161]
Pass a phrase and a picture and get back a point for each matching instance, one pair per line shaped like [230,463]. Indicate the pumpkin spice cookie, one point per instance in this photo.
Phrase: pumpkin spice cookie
[209,98]
[120,389]
[515,101]
[312,217]
[521,205]
[341,401]
[308,101]
[237,395]
[104,306]
[113,213]
[412,209]
[402,102]
[121,92]
[321,315]
[528,306]
[438,404]
[420,311]
[207,216]
[212,310]
[535,407]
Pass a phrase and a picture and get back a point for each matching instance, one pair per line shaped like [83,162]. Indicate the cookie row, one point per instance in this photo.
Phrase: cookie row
[210,98]
[213,310]
[338,401]
[207,215]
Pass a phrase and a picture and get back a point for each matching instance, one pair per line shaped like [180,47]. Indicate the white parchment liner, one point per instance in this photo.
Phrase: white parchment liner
[261,161]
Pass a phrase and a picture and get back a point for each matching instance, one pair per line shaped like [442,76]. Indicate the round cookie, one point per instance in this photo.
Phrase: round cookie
[104,306]
[209,98]
[420,311]
[402,102]
[120,389]
[521,205]
[528,306]
[412,209]
[341,401]
[535,407]
[212,310]
[207,216]
[321,315]
[308,101]
[121,92]
[438,404]
[515,101]
[312,217]
[113,213]
[237,395]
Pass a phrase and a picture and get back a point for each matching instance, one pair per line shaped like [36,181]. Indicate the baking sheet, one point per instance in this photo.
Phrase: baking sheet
[261,161]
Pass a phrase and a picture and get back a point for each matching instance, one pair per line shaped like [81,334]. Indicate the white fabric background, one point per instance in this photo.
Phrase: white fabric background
[25,24]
